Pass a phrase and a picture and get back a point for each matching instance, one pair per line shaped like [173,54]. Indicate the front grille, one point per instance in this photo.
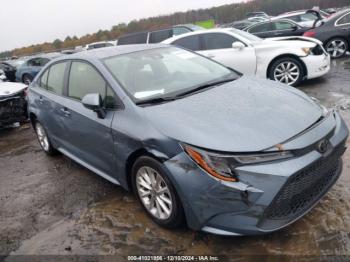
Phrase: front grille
[303,189]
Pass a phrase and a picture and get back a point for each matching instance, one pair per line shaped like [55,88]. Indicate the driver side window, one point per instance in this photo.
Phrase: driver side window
[84,79]
[214,41]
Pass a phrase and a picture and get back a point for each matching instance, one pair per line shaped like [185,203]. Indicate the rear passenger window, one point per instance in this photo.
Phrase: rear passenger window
[55,81]
[84,79]
[217,41]
[189,42]
[344,20]
[43,79]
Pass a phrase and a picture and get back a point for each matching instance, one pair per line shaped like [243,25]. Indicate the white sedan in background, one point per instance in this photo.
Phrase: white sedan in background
[288,60]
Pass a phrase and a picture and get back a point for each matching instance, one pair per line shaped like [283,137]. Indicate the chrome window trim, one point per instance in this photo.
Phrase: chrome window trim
[336,22]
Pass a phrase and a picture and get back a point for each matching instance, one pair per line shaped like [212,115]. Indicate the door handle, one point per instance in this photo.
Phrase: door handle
[65,111]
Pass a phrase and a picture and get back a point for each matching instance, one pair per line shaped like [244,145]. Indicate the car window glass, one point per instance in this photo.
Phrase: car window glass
[138,38]
[308,17]
[34,62]
[295,18]
[159,36]
[55,81]
[345,20]
[43,79]
[180,30]
[84,79]
[189,42]
[43,61]
[217,41]
[282,26]
[265,27]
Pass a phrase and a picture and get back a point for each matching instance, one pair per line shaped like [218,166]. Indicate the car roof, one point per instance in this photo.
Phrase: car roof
[101,53]
[214,30]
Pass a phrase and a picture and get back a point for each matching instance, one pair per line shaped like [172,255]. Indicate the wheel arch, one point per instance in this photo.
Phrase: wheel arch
[131,159]
[336,36]
[286,56]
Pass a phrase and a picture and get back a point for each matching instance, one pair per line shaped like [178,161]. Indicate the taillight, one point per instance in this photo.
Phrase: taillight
[309,34]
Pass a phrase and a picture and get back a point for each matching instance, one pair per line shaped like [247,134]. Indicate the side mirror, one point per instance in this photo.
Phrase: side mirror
[294,27]
[94,103]
[238,45]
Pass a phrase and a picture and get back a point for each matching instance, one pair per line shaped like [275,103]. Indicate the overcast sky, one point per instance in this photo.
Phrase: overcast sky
[26,22]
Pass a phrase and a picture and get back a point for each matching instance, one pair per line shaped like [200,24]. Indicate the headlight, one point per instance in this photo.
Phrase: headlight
[323,108]
[306,50]
[222,166]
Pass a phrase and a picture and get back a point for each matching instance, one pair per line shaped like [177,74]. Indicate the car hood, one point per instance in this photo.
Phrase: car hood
[9,88]
[246,115]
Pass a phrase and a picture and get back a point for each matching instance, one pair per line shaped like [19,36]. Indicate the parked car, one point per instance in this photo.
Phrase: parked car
[231,154]
[305,18]
[157,36]
[13,103]
[334,32]
[241,24]
[9,70]
[98,45]
[277,28]
[29,68]
[280,59]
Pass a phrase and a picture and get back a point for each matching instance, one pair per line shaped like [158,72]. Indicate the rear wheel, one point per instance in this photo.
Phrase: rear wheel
[336,47]
[156,193]
[43,139]
[287,70]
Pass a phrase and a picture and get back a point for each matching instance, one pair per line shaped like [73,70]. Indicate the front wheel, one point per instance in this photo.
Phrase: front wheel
[287,70]
[156,193]
[27,79]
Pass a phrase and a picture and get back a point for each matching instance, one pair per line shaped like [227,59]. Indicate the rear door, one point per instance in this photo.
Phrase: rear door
[218,46]
[344,25]
[88,137]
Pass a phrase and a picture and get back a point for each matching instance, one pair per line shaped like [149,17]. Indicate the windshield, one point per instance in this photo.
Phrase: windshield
[246,35]
[164,72]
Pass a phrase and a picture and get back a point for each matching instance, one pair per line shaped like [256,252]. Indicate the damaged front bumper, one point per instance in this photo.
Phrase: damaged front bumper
[13,109]
[269,196]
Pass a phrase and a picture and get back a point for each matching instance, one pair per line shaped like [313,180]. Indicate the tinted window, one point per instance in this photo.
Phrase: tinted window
[55,81]
[345,20]
[180,30]
[189,42]
[34,62]
[217,41]
[282,26]
[43,61]
[133,39]
[159,36]
[43,79]
[265,27]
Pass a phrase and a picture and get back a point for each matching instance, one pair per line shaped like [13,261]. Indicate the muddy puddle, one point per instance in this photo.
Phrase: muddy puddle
[64,209]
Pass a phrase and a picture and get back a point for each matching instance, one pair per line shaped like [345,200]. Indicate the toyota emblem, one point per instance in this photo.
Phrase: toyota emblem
[322,146]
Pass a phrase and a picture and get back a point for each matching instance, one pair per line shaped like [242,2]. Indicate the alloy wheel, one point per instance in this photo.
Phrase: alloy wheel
[154,193]
[287,72]
[336,48]
[42,137]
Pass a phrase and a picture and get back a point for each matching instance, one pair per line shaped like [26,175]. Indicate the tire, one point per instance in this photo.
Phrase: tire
[287,70]
[144,169]
[27,79]
[44,140]
[337,47]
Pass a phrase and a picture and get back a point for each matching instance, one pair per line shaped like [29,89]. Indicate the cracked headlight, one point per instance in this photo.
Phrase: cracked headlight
[222,166]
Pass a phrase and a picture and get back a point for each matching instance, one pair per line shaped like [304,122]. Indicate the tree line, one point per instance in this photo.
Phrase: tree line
[221,14]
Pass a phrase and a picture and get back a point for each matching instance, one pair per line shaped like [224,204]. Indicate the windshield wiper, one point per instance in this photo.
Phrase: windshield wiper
[157,100]
[204,86]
